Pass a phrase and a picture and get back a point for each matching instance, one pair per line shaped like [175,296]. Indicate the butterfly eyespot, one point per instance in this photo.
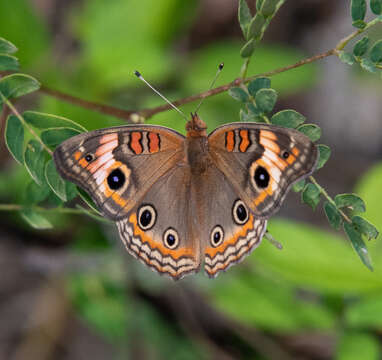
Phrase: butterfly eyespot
[146,217]
[285,154]
[116,179]
[261,177]
[217,236]
[89,157]
[171,238]
[240,212]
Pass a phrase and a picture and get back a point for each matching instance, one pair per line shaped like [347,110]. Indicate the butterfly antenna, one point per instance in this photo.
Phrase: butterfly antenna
[220,68]
[140,77]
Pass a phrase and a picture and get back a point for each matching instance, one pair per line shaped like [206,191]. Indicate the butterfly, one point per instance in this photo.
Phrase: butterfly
[179,201]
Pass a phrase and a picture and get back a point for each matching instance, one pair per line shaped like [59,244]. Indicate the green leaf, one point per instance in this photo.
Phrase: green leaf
[245,17]
[333,215]
[259,3]
[311,195]
[35,194]
[16,85]
[7,47]
[376,52]
[269,7]
[361,46]
[266,99]
[54,137]
[248,49]
[312,131]
[358,244]
[376,6]
[71,190]
[360,24]
[238,94]
[365,227]
[358,10]
[255,29]
[365,313]
[357,345]
[252,109]
[8,63]
[55,181]
[288,118]
[325,153]
[347,58]
[35,161]
[246,116]
[368,65]
[351,201]
[35,219]
[48,121]
[299,185]
[14,138]
[260,83]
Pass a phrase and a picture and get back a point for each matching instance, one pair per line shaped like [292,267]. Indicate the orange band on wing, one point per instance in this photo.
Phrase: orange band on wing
[244,144]
[211,251]
[153,142]
[230,141]
[175,254]
[135,143]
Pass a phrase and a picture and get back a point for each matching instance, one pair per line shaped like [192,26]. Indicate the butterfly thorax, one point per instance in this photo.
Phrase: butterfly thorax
[197,145]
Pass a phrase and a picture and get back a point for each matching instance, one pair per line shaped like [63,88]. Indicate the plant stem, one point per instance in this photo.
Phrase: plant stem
[329,198]
[14,110]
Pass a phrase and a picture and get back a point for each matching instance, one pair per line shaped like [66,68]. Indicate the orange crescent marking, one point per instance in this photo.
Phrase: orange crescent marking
[77,155]
[291,159]
[244,144]
[230,141]
[153,142]
[175,254]
[211,251]
[134,142]
[83,163]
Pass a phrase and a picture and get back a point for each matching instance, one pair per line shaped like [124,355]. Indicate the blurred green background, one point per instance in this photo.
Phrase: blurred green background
[74,293]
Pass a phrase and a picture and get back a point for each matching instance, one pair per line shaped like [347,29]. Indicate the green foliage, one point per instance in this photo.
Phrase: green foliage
[238,94]
[35,161]
[55,181]
[8,63]
[333,215]
[288,118]
[312,131]
[6,47]
[325,153]
[265,100]
[358,12]
[353,344]
[260,83]
[376,52]
[14,138]
[361,46]
[35,219]
[311,195]
[376,6]
[17,85]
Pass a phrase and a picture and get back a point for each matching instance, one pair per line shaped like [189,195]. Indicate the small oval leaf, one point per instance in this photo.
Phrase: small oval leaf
[55,181]
[351,201]
[245,16]
[299,185]
[255,29]
[358,10]
[16,85]
[269,7]
[376,52]
[35,194]
[325,153]
[311,195]
[8,63]
[333,215]
[35,219]
[312,131]
[238,94]
[347,58]
[35,161]
[14,138]
[361,46]
[7,47]
[376,6]
[288,118]
[365,227]
[54,137]
[266,99]
[248,49]
[358,244]
[47,121]
[368,65]
[258,84]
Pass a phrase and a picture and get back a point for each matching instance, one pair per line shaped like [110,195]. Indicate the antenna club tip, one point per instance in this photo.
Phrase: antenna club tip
[221,65]
[137,74]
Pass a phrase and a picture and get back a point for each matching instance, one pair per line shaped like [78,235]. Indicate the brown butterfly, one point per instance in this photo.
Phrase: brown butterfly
[180,200]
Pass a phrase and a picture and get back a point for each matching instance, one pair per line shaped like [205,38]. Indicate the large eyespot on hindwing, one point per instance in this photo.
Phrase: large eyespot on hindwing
[171,238]
[147,217]
[240,212]
[217,236]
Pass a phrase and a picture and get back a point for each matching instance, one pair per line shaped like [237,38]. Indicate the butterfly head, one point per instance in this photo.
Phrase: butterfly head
[196,127]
